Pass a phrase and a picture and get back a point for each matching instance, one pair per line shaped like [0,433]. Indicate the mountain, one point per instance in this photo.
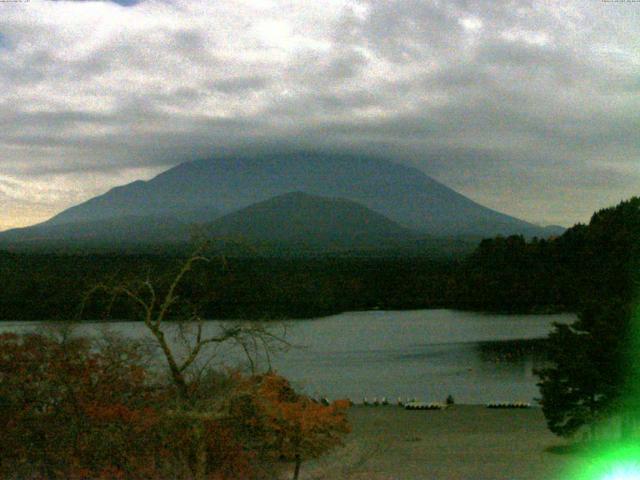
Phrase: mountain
[311,221]
[130,229]
[198,191]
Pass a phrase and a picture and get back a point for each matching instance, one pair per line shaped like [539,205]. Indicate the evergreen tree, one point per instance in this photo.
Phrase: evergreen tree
[594,373]
[590,372]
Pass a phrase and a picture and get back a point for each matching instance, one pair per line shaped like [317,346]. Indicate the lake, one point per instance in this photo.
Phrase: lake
[426,354]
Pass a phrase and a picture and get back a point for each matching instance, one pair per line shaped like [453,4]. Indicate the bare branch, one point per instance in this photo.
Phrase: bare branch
[253,338]
[171,297]
[152,292]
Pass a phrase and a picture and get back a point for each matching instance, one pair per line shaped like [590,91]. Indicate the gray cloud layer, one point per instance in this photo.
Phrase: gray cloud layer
[529,107]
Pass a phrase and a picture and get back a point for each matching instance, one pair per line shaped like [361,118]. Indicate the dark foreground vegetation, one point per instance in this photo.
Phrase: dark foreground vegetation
[502,274]
[72,409]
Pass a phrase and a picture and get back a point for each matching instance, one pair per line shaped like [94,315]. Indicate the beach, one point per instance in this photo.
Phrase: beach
[469,442]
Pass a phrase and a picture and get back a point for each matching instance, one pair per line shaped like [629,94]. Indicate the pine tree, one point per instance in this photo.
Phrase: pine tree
[590,372]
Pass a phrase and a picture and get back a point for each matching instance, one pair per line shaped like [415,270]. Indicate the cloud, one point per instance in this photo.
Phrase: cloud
[529,107]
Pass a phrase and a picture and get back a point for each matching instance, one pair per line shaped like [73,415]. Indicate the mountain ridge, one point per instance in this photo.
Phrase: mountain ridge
[221,185]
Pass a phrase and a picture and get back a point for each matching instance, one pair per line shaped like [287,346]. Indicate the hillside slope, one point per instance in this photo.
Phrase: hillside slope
[229,183]
[312,221]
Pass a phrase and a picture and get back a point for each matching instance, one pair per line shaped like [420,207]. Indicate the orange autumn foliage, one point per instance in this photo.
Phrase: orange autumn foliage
[293,426]
[69,410]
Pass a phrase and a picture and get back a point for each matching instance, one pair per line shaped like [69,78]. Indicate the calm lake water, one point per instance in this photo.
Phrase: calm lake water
[427,354]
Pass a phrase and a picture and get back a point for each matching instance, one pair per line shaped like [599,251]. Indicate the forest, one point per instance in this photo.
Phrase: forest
[503,274]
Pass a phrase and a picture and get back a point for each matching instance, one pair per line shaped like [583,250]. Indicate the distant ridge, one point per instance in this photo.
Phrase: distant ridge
[130,229]
[203,190]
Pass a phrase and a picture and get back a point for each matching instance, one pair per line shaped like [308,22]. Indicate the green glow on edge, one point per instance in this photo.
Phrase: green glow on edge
[621,462]
[618,459]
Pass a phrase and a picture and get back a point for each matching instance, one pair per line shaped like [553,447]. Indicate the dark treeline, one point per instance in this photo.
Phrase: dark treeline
[594,262]
[502,274]
[592,373]
[48,286]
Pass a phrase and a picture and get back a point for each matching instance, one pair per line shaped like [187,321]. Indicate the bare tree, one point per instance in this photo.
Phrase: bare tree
[155,308]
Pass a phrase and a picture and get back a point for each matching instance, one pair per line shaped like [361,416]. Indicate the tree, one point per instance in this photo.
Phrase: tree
[69,411]
[289,426]
[591,373]
[73,409]
[594,373]
[156,306]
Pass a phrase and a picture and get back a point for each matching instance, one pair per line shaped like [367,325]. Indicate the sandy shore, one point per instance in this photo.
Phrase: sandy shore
[462,442]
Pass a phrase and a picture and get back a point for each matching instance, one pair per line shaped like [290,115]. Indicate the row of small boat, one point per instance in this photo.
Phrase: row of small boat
[425,406]
[508,405]
[415,404]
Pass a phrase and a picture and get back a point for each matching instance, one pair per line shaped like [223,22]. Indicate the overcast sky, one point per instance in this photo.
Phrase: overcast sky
[528,107]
